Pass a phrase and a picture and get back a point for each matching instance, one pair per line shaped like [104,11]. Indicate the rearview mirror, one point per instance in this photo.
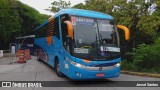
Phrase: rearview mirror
[126,31]
[69,28]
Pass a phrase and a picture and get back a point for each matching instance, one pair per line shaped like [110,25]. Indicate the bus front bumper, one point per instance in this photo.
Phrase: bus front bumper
[79,73]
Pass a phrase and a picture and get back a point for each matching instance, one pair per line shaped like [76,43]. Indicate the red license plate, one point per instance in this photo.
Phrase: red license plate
[100,75]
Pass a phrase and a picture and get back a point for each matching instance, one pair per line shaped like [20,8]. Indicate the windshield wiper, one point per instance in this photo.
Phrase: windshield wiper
[100,39]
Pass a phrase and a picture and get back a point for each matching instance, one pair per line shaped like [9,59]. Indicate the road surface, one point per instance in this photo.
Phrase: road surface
[34,70]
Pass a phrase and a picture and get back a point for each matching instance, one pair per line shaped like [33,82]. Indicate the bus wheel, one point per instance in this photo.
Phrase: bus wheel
[59,74]
[38,58]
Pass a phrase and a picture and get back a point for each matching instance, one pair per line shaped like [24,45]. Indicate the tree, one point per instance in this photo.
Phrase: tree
[10,20]
[17,19]
[58,5]
[80,6]
[30,18]
[150,23]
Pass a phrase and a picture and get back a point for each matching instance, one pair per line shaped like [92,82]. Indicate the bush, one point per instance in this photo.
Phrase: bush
[127,65]
[146,58]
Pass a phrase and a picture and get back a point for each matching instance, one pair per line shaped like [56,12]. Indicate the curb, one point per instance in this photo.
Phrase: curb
[141,74]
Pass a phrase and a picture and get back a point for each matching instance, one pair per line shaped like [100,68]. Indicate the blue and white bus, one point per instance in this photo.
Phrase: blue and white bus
[80,44]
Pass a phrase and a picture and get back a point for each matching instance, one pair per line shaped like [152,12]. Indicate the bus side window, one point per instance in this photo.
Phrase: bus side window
[42,31]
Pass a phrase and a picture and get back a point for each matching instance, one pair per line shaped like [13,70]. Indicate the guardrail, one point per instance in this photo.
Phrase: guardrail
[6,53]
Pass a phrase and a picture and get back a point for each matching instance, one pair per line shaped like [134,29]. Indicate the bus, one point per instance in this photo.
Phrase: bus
[80,44]
[26,42]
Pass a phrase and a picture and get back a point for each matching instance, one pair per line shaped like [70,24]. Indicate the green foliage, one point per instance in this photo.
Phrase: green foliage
[17,19]
[58,5]
[127,65]
[30,18]
[10,20]
[80,6]
[146,57]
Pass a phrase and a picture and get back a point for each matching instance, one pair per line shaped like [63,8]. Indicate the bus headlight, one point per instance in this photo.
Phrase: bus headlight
[79,65]
[74,63]
[117,65]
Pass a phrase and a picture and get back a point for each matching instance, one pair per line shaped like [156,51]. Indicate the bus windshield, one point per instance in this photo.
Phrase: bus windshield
[95,39]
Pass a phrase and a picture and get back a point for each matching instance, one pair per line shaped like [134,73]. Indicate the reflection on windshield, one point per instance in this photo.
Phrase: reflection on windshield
[107,32]
[85,31]
[94,39]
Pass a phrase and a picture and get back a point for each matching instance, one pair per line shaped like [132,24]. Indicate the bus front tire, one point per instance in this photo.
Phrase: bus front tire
[59,74]
[38,57]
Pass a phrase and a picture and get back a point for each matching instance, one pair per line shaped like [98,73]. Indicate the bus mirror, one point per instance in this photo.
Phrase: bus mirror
[126,31]
[70,28]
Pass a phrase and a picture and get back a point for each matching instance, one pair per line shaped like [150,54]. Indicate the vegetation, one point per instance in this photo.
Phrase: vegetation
[58,5]
[17,19]
[145,58]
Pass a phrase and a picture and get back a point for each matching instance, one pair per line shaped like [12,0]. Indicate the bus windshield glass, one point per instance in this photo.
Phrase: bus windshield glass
[95,39]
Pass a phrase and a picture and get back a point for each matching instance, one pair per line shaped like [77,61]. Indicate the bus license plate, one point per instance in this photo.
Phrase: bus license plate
[100,75]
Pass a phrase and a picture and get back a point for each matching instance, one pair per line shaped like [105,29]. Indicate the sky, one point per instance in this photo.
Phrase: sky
[40,5]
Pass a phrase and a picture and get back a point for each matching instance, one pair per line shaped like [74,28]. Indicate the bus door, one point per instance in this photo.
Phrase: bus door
[65,38]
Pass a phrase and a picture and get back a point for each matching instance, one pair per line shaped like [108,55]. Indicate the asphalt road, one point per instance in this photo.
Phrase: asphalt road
[38,71]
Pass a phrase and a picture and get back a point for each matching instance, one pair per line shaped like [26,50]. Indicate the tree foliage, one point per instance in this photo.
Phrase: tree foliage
[80,6]
[30,18]
[146,58]
[58,5]
[10,20]
[17,19]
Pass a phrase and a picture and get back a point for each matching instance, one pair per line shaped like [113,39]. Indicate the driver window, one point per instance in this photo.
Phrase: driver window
[65,32]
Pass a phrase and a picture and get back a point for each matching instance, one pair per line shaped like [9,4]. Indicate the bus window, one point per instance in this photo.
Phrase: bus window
[65,32]
[42,32]
[56,28]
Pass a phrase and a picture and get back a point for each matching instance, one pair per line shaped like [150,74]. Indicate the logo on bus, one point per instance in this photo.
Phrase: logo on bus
[101,68]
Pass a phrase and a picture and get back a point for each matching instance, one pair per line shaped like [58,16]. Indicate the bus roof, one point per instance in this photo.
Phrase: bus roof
[29,36]
[84,13]
[80,12]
